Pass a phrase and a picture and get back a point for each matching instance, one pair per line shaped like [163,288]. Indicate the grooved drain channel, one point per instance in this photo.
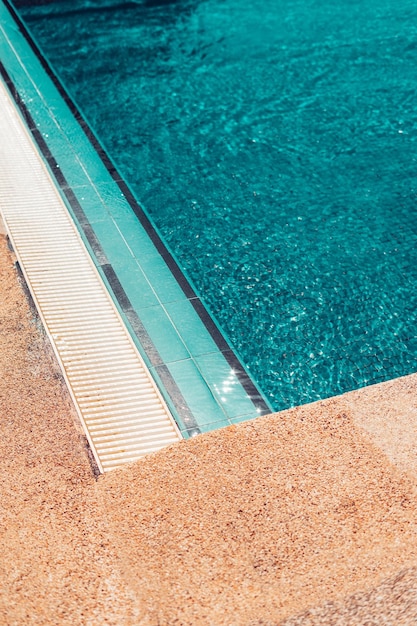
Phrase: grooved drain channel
[121,409]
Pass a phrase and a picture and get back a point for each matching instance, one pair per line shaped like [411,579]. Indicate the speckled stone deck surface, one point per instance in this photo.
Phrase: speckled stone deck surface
[306,518]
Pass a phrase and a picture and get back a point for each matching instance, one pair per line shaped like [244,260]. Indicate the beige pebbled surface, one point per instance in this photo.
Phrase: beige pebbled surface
[56,563]
[303,518]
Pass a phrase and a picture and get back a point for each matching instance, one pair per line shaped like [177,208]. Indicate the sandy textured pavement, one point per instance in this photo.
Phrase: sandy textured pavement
[308,517]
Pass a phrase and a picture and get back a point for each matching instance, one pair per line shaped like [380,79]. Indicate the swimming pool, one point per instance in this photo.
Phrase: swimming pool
[275,150]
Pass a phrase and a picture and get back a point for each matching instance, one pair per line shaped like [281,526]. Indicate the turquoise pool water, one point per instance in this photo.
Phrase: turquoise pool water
[274,146]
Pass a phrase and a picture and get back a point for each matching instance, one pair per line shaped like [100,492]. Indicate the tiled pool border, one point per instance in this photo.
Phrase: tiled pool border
[174,375]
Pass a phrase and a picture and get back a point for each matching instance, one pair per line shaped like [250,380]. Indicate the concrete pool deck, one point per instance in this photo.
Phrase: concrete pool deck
[303,517]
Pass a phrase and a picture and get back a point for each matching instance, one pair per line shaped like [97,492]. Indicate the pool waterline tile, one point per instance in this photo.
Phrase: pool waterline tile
[197,394]
[137,288]
[191,328]
[161,278]
[225,385]
[164,335]
[111,240]
[135,236]
[88,197]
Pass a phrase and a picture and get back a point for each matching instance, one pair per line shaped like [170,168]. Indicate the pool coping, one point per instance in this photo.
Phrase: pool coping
[210,377]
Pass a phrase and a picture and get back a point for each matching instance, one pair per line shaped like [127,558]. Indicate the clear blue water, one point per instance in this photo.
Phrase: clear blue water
[274,146]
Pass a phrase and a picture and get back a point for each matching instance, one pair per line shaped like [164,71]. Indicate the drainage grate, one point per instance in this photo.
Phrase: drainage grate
[121,409]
